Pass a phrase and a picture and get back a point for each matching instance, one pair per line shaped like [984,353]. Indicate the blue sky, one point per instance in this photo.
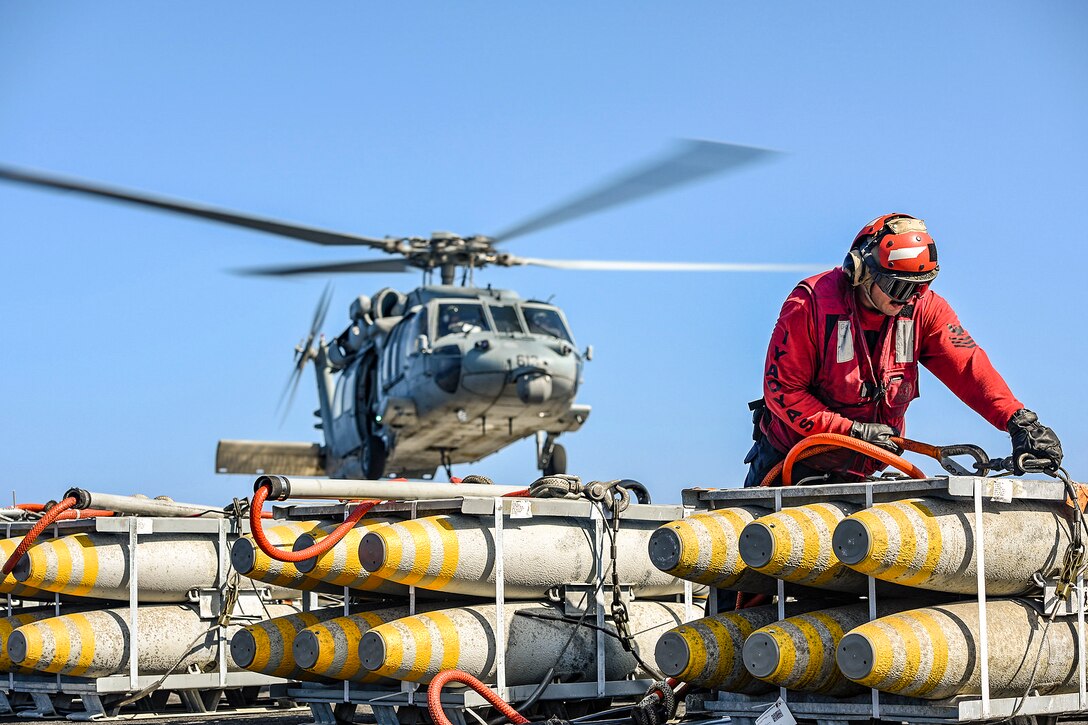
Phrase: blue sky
[130,349]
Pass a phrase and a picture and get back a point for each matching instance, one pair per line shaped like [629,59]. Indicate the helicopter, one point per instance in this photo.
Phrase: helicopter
[446,373]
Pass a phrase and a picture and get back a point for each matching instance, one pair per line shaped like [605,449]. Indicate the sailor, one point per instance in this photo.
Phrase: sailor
[844,354]
[459,320]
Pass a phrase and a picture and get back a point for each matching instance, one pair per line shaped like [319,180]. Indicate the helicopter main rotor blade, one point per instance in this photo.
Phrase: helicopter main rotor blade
[627,266]
[271,226]
[369,265]
[692,160]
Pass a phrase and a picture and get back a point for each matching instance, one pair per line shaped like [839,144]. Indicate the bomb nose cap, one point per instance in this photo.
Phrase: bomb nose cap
[672,653]
[855,656]
[21,572]
[303,542]
[372,650]
[372,552]
[756,545]
[243,556]
[851,541]
[760,654]
[243,648]
[305,649]
[17,647]
[665,549]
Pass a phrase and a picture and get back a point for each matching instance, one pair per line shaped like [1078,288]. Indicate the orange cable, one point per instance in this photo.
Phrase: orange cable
[31,536]
[76,514]
[854,444]
[434,697]
[326,543]
[774,472]
[924,449]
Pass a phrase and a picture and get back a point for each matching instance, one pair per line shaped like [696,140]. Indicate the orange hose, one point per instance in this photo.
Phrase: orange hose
[257,528]
[773,473]
[85,514]
[434,697]
[76,514]
[31,536]
[924,449]
[859,446]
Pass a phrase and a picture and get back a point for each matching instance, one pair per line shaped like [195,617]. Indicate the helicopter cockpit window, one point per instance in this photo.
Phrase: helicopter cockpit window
[506,318]
[546,321]
[459,318]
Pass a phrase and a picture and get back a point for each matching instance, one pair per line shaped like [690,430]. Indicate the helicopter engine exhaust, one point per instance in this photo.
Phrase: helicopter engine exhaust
[534,387]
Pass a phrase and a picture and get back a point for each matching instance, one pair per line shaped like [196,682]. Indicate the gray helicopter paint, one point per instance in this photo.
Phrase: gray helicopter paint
[510,384]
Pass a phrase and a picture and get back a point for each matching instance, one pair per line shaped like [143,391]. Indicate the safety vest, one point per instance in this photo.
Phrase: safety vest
[871,385]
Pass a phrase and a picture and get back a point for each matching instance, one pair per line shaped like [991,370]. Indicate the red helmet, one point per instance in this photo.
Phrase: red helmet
[899,253]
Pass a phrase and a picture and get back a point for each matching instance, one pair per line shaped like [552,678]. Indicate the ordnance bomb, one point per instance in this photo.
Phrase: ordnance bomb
[417,648]
[340,565]
[707,651]
[798,653]
[10,624]
[929,543]
[456,554]
[96,643]
[704,548]
[94,565]
[794,544]
[331,648]
[933,652]
[265,647]
[248,559]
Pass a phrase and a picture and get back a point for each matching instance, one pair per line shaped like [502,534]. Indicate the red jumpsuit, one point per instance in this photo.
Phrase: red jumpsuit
[832,361]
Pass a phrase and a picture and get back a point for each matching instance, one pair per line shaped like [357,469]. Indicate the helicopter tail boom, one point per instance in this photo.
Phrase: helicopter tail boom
[279,457]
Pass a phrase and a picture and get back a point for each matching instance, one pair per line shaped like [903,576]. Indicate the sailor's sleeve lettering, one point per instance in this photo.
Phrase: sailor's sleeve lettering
[790,372]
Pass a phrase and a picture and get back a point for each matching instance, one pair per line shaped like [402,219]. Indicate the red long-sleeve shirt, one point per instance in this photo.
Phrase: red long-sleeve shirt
[792,385]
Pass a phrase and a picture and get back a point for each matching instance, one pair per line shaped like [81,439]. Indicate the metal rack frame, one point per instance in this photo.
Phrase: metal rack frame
[330,703]
[47,691]
[744,709]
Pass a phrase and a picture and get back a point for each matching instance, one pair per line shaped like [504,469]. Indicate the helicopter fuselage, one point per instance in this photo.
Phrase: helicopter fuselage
[443,375]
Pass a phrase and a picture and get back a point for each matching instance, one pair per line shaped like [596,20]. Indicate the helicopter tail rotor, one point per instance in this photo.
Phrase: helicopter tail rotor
[304,352]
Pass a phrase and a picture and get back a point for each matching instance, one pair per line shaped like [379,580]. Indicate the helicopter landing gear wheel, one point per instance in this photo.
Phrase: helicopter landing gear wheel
[373,457]
[557,461]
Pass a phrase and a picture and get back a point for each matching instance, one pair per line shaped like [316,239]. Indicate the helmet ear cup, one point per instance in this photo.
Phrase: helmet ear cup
[854,266]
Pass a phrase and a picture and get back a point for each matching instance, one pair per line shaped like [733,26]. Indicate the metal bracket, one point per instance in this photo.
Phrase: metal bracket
[578,596]
[93,709]
[43,707]
[1050,596]
[209,602]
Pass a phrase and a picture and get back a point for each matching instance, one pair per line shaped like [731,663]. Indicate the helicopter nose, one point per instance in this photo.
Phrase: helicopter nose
[534,388]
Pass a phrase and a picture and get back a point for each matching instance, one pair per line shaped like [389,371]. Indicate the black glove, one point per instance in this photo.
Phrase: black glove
[876,433]
[1032,438]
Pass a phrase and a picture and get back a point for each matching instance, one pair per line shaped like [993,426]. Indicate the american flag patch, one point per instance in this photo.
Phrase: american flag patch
[961,337]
